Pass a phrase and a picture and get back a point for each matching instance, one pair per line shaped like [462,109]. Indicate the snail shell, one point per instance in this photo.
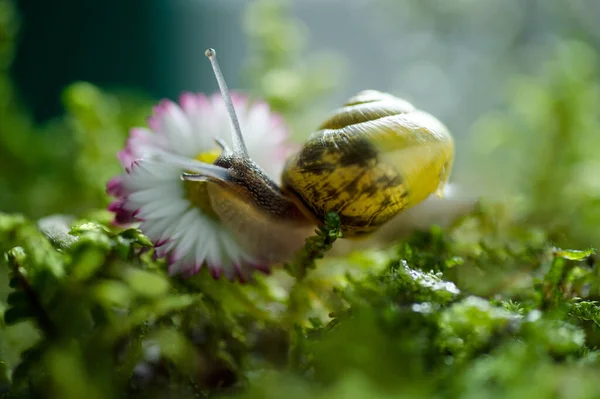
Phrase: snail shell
[374,157]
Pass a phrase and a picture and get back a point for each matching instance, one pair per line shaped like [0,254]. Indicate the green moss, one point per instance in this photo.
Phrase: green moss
[102,306]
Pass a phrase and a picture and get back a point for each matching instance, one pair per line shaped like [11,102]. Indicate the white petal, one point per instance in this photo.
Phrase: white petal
[177,129]
[168,208]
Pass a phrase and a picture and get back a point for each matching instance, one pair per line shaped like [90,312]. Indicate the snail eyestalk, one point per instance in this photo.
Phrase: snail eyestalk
[223,145]
[194,177]
[238,140]
[201,171]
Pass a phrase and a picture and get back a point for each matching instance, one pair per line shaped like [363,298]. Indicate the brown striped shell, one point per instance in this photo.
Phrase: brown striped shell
[374,157]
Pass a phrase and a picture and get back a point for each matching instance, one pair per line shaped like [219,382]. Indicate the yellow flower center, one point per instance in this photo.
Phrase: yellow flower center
[209,156]
[196,191]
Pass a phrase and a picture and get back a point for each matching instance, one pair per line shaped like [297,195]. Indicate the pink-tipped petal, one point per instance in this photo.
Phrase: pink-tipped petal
[115,187]
[215,272]
[239,100]
[160,243]
[154,123]
[265,269]
[125,157]
[122,215]
[189,102]
[239,273]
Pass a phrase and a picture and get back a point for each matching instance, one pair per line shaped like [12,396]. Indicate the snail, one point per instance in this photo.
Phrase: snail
[373,158]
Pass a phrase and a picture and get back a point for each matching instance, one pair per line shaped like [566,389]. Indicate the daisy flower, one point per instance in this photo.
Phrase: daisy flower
[177,214]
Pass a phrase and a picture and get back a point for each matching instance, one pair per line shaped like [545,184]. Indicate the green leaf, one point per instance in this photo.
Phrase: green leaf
[87,227]
[17,298]
[573,254]
[30,358]
[137,236]
[149,313]
[177,348]
[18,314]
[88,258]
[146,283]
[586,310]
[113,294]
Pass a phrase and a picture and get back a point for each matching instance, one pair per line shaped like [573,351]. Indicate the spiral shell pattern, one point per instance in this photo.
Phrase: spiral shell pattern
[374,157]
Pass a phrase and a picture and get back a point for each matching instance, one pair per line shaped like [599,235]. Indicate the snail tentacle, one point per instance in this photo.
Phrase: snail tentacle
[239,146]
[191,165]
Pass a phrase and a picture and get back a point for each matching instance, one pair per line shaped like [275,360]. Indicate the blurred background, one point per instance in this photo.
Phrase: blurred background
[516,82]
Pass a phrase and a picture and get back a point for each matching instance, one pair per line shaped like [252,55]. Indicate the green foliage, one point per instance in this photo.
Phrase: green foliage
[62,166]
[109,320]
[278,69]
[544,145]
[98,304]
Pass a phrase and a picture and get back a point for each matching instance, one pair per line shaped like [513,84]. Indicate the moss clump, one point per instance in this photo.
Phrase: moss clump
[95,314]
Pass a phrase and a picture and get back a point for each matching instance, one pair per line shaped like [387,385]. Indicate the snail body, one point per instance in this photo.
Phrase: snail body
[373,158]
